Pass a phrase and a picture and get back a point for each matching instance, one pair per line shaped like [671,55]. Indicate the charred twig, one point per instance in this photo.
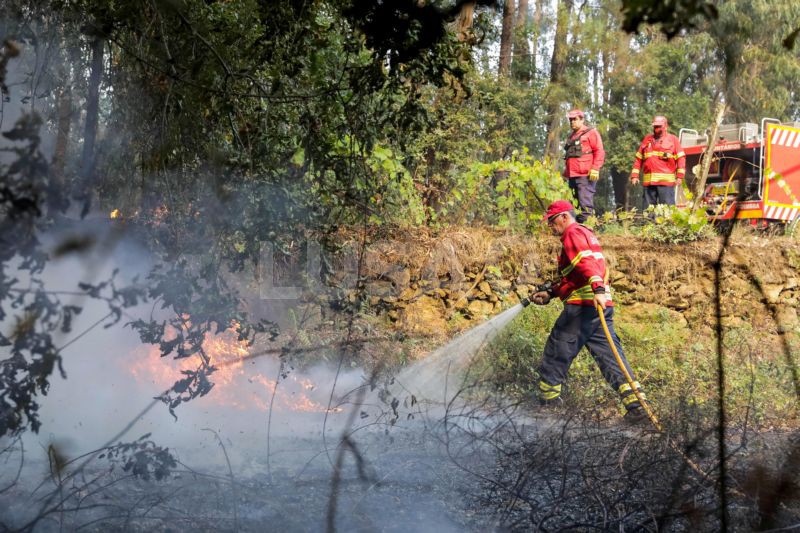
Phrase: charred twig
[232,480]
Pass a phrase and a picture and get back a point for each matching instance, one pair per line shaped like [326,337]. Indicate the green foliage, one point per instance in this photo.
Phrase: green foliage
[383,181]
[393,190]
[674,225]
[524,188]
[471,129]
[672,17]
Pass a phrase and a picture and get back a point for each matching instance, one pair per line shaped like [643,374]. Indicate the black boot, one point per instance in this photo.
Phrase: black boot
[636,416]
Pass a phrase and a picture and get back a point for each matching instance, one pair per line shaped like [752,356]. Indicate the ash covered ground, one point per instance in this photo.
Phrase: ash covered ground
[239,468]
[401,481]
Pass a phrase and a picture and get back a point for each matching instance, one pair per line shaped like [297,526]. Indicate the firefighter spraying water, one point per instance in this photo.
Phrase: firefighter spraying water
[585,292]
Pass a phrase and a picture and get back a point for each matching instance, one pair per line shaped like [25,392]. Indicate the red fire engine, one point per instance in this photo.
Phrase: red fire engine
[761,162]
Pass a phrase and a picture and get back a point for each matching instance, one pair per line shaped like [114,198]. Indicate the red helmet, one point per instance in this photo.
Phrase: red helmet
[660,120]
[575,113]
[558,207]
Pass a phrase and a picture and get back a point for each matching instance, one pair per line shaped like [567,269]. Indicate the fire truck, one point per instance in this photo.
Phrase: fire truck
[754,173]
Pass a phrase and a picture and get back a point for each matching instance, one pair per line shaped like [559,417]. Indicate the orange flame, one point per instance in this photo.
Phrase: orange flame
[116,213]
[236,384]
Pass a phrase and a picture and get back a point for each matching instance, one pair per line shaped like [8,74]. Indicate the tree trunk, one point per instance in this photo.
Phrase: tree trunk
[92,110]
[558,67]
[606,74]
[537,29]
[522,52]
[464,21]
[506,38]
[705,165]
[63,126]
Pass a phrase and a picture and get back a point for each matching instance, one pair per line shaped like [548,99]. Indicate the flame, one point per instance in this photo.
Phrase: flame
[236,381]
[116,213]
[155,217]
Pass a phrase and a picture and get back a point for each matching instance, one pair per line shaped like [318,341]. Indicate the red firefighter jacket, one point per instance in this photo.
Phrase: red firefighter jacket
[661,160]
[592,153]
[582,267]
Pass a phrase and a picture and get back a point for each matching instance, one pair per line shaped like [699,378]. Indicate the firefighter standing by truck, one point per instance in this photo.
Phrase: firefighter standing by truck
[583,157]
[583,286]
[662,164]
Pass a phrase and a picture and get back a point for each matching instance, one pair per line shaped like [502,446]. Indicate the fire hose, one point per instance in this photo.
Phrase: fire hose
[639,396]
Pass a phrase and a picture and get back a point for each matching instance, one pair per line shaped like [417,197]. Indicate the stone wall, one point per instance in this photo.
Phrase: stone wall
[435,285]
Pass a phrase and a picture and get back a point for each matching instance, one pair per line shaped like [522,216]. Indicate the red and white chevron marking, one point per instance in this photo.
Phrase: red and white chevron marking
[781,213]
[785,137]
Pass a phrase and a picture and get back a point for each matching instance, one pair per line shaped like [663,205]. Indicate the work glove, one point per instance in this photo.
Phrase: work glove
[594,175]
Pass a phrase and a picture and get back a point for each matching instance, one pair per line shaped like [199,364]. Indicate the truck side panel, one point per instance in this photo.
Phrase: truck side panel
[782,173]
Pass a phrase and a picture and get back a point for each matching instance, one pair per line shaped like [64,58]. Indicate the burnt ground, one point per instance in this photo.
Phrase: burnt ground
[512,470]
[397,480]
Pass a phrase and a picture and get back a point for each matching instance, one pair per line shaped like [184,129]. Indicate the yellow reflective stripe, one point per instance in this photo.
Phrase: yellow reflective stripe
[627,400]
[549,392]
[586,294]
[581,295]
[658,176]
[580,255]
[575,260]
[595,279]
[626,387]
[664,154]
[638,155]
[681,171]
[635,172]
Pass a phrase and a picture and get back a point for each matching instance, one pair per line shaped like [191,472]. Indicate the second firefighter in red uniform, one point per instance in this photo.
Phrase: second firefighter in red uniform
[583,158]
[660,164]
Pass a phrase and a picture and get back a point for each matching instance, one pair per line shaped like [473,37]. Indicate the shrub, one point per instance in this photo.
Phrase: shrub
[524,188]
[674,225]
